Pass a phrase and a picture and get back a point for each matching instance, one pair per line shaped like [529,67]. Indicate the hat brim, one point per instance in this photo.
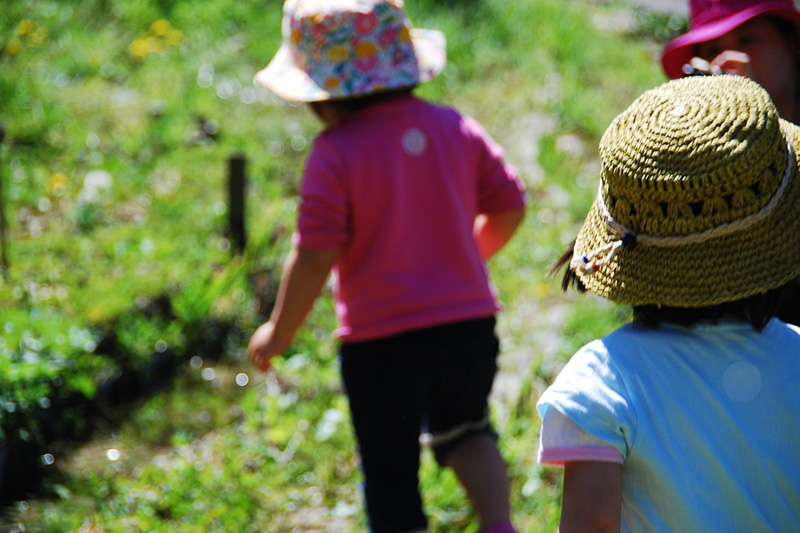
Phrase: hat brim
[680,50]
[283,76]
[761,257]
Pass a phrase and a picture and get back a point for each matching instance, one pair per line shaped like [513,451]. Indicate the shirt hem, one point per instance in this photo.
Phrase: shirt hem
[561,455]
[346,334]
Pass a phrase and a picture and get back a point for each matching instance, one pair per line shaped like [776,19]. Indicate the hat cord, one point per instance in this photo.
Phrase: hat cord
[628,239]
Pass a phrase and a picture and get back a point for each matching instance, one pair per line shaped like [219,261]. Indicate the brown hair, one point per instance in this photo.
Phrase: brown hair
[784,27]
[345,106]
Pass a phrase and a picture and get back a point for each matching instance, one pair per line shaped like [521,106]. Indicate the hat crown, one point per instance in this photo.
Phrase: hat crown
[691,155]
[703,12]
[351,47]
[314,27]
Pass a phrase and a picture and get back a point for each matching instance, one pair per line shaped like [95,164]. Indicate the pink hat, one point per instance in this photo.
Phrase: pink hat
[713,18]
[346,48]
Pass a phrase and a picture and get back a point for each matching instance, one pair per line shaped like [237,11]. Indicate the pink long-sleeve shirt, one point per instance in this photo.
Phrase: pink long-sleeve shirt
[398,187]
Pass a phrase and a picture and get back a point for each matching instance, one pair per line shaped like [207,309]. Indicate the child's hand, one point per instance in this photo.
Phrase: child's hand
[700,67]
[733,62]
[265,344]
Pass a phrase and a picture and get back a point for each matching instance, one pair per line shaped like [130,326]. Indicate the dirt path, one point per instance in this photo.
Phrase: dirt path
[541,337]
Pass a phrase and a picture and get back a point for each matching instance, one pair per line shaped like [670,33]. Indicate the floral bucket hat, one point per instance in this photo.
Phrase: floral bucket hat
[699,198]
[335,49]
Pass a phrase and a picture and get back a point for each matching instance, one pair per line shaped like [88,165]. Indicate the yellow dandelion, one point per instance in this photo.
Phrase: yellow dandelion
[38,35]
[160,27]
[57,184]
[139,48]
[14,46]
[366,49]
[144,46]
[337,53]
[25,27]
[174,37]
[95,314]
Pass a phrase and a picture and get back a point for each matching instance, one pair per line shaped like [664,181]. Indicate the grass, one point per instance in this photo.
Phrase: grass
[150,98]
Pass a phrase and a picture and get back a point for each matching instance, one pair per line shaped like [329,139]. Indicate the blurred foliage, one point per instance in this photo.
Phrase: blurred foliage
[660,26]
[119,119]
[120,116]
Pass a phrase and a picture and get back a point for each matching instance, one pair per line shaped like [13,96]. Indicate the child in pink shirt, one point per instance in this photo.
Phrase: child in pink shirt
[404,200]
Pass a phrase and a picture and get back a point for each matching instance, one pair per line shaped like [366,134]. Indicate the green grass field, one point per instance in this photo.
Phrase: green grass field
[120,117]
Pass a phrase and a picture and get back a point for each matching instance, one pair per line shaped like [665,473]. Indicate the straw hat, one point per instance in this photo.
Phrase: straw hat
[346,48]
[699,200]
[710,19]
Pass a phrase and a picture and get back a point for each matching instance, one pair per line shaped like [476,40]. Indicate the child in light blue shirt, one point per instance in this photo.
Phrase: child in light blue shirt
[686,419]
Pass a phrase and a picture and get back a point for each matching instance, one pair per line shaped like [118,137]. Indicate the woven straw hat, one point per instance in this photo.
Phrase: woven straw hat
[699,200]
[346,48]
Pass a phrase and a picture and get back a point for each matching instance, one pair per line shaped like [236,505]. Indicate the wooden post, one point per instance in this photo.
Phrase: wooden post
[236,204]
[3,253]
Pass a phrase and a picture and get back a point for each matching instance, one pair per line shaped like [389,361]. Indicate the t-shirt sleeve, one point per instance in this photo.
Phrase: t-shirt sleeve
[591,393]
[323,220]
[500,188]
[562,440]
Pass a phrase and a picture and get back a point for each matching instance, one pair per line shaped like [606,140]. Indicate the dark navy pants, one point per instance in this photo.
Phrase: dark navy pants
[437,380]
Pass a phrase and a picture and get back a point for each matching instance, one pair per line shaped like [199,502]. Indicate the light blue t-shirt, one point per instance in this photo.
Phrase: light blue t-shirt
[707,421]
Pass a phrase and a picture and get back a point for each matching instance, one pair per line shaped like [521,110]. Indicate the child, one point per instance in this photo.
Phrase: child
[404,200]
[686,419]
[753,38]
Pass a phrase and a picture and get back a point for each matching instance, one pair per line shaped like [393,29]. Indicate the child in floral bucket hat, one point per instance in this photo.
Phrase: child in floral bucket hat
[686,419]
[404,200]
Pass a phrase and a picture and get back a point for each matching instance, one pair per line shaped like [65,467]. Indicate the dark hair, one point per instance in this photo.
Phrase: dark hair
[785,27]
[757,310]
[352,105]
[569,279]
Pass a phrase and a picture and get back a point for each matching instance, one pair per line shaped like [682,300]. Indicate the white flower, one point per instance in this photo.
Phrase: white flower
[95,182]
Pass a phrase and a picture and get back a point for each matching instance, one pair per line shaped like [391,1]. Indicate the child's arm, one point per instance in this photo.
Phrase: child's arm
[492,231]
[592,497]
[304,274]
